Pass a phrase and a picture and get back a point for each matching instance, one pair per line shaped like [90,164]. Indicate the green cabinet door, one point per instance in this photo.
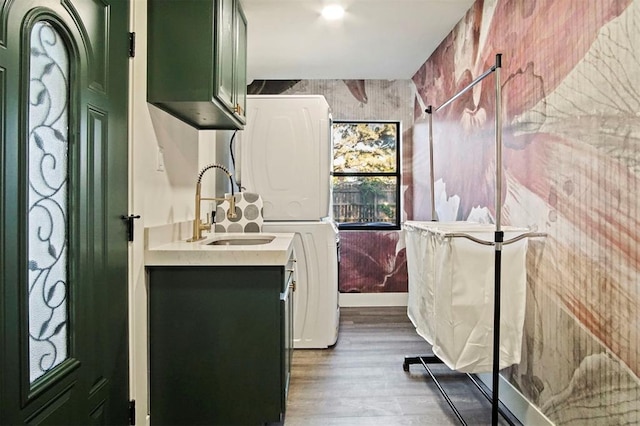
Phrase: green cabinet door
[192,68]
[217,345]
[225,53]
[240,55]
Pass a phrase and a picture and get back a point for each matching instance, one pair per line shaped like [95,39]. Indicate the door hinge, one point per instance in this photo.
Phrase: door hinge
[132,412]
[132,45]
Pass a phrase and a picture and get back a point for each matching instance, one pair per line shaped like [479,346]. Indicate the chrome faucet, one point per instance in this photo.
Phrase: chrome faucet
[198,226]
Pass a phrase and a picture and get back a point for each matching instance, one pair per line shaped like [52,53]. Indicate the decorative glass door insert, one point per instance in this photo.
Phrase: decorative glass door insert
[48,113]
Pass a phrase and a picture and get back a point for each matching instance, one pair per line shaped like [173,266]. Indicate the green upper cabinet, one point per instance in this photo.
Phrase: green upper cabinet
[197,61]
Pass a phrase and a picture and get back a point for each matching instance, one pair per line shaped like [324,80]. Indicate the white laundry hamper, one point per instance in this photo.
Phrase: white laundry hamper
[451,288]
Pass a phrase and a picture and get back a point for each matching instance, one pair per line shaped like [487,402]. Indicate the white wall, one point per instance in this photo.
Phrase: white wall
[159,197]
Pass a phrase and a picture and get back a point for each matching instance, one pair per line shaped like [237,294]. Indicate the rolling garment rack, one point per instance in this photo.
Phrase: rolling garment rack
[498,242]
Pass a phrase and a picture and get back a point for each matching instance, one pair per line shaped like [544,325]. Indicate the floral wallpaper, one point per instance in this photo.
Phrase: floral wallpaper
[571,128]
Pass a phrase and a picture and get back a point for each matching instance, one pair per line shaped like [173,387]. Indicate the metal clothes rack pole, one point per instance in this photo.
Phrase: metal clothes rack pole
[432,176]
[499,240]
[498,243]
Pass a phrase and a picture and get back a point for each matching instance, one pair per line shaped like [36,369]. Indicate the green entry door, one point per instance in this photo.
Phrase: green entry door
[63,191]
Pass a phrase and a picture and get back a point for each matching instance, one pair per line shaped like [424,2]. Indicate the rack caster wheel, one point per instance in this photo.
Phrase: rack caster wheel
[405,366]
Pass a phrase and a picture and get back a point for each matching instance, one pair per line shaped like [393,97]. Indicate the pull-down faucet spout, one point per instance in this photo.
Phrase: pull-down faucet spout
[198,226]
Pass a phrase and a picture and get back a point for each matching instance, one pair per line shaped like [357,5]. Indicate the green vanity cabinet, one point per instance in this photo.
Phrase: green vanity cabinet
[197,60]
[220,344]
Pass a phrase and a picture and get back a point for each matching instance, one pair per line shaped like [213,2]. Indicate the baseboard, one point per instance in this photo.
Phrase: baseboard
[521,407]
[350,300]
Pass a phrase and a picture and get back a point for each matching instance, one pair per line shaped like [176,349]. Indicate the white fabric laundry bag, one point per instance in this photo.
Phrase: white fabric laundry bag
[420,246]
[458,293]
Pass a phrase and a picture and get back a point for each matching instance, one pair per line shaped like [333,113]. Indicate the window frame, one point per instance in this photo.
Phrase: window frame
[373,226]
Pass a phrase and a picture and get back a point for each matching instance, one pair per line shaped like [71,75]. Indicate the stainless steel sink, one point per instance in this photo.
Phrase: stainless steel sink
[240,241]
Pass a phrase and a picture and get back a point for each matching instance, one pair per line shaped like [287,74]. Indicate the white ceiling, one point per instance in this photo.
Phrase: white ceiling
[377,39]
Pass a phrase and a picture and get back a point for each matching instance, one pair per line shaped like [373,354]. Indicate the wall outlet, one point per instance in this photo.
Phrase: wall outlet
[160,160]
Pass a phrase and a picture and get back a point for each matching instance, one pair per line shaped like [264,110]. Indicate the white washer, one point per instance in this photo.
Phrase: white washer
[316,312]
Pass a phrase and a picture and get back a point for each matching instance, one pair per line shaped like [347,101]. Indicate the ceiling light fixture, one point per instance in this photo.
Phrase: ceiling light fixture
[333,12]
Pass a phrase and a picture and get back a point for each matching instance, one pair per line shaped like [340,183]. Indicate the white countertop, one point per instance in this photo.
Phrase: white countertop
[166,247]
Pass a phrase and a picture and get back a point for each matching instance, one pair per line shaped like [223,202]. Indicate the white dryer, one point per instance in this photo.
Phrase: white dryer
[316,312]
[286,155]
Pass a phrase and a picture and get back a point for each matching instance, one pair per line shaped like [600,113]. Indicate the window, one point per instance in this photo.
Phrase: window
[366,174]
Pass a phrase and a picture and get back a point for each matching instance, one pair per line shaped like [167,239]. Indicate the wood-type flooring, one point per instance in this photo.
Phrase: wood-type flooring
[360,380]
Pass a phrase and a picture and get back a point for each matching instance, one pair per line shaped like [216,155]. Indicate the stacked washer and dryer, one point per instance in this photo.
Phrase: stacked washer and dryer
[286,157]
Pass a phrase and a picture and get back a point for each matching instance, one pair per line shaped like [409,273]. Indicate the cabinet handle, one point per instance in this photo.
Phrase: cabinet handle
[237,109]
[285,296]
